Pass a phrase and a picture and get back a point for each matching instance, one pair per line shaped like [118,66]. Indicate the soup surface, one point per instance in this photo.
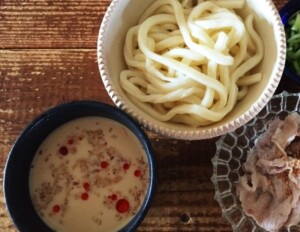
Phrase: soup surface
[90,174]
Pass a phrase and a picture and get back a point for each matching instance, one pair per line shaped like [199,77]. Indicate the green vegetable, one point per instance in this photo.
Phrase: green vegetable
[293,41]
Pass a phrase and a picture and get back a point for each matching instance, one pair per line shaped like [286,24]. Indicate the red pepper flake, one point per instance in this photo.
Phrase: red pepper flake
[113,197]
[84,196]
[56,208]
[86,186]
[137,173]
[126,166]
[70,141]
[80,138]
[104,164]
[122,206]
[63,150]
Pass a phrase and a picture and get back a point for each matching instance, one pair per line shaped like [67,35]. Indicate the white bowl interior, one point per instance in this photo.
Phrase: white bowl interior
[122,14]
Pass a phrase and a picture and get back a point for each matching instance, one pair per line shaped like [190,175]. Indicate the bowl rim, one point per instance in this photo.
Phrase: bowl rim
[200,132]
[108,111]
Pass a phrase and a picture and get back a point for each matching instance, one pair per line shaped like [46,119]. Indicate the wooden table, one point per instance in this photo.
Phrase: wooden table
[48,56]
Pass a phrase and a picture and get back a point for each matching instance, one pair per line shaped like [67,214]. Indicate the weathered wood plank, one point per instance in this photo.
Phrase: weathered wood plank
[50,24]
[184,187]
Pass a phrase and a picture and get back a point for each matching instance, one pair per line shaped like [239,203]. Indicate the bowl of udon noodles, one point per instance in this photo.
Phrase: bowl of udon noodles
[189,69]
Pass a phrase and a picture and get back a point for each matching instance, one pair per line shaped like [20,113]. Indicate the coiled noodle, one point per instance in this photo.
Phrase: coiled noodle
[190,63]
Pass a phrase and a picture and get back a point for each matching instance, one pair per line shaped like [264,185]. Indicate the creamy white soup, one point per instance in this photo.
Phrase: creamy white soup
[90,174]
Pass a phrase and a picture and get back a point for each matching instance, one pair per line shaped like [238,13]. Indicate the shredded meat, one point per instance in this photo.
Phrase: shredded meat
[270,189]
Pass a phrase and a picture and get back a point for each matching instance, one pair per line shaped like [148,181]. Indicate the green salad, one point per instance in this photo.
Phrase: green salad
[293,41]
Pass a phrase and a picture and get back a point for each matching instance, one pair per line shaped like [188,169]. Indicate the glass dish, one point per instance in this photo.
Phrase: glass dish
[231,153]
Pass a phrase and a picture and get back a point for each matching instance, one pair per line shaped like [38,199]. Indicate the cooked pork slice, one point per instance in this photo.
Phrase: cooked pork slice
[269,190]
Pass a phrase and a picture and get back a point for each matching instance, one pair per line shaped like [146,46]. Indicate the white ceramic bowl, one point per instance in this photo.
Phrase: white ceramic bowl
[123,14]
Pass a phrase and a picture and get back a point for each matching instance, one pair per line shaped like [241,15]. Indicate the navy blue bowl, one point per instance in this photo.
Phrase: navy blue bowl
[16,172]
[286,12]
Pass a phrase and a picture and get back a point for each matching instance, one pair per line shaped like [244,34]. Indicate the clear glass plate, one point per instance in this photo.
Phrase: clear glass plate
[231,152]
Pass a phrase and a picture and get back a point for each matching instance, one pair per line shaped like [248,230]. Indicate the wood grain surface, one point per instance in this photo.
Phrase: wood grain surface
[48,56]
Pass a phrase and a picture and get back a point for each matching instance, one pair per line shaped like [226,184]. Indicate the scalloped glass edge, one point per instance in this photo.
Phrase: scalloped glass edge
[231,152]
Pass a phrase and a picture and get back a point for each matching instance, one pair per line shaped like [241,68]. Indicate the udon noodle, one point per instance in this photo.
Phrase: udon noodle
[189,61]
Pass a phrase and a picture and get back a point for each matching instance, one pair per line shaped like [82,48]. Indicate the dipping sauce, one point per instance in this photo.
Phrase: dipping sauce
[90,174]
